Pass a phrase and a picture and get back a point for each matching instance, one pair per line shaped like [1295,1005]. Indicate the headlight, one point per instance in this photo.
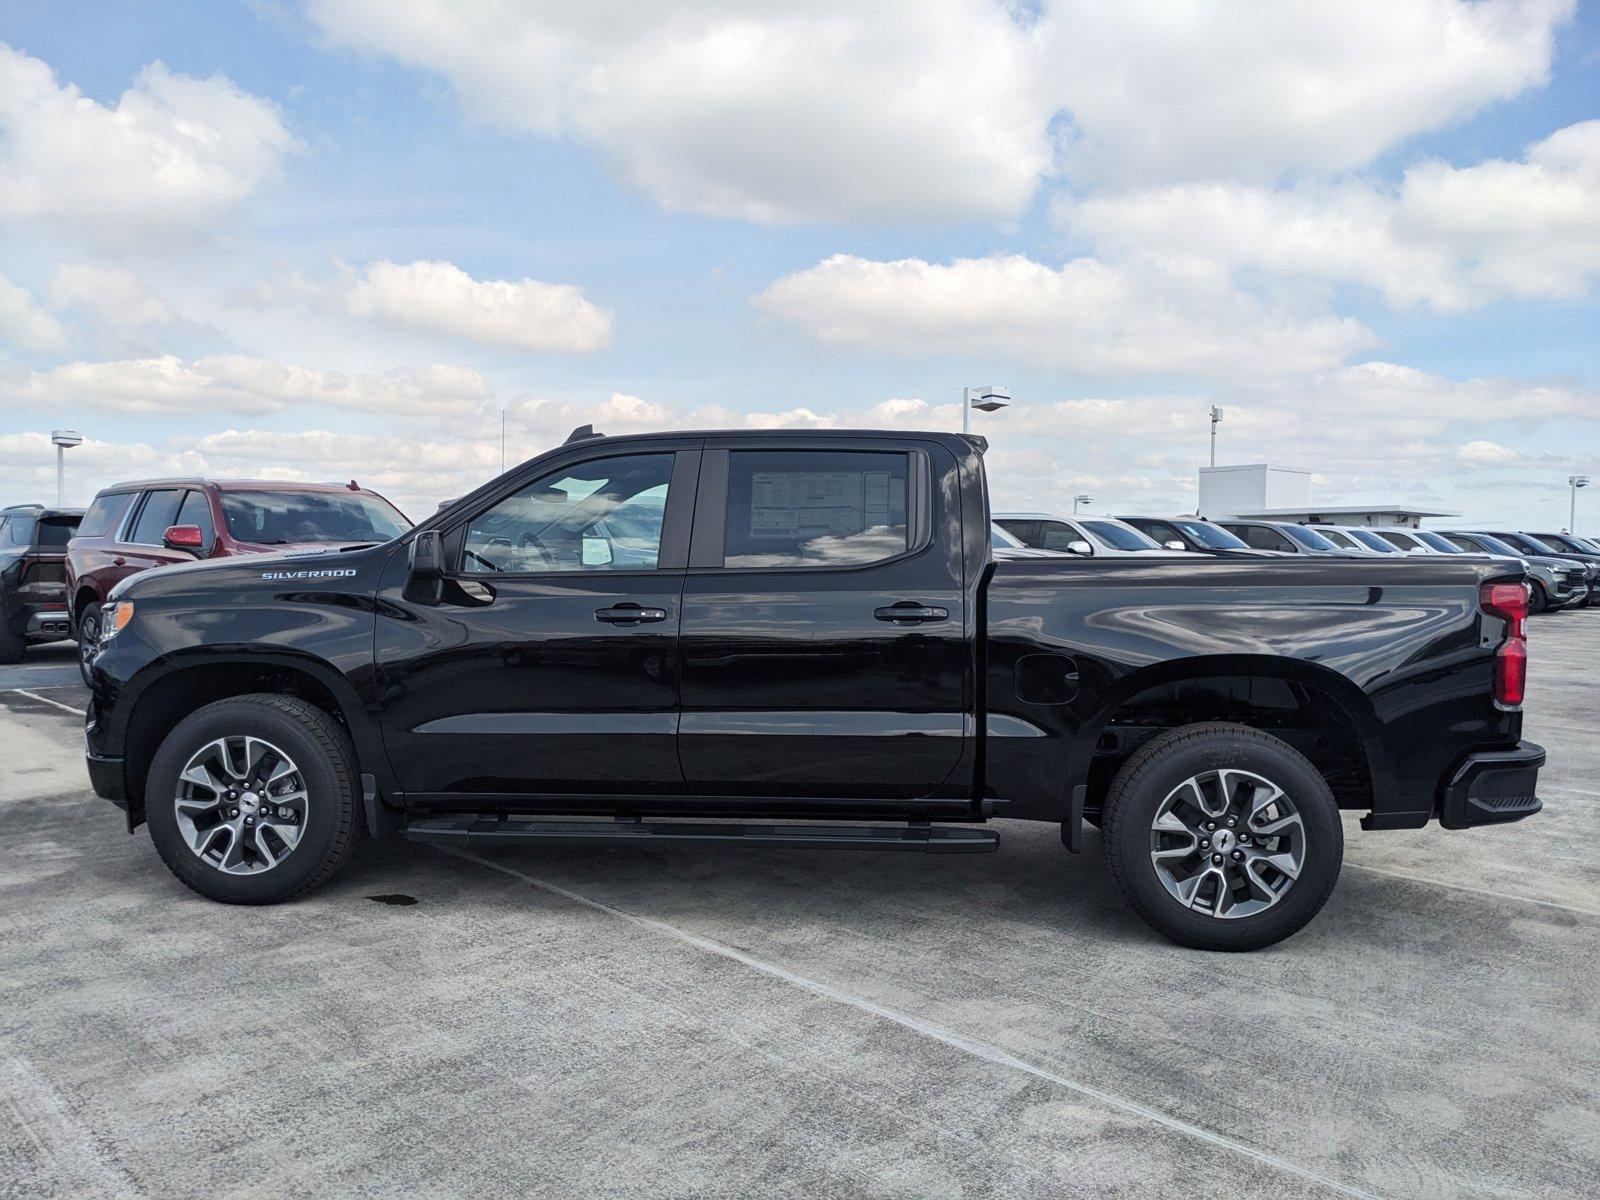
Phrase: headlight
[113,619]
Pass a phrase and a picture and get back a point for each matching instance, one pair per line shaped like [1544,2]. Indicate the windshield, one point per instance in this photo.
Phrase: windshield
[279,518]
[1211,536]
[1118,537]
[1442,544]
[1309,538]
[1373,542]
[1563,541]
[1533,544]
[1342,540]
[1000,537]
[1494,545]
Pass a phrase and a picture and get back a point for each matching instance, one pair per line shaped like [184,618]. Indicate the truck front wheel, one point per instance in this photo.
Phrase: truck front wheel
[1223,837]
[252,799]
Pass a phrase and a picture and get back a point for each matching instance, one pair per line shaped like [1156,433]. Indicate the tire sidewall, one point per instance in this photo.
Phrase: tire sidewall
[1246,751]
[325,801]
[87,619]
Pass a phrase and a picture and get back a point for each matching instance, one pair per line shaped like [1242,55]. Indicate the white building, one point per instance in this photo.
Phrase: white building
[1263,492]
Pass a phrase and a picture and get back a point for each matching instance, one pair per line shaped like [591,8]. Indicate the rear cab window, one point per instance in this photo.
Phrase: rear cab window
[104,514]
[811,508]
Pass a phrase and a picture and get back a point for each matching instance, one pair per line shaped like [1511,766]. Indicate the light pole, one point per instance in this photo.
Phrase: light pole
[1574,482]
[63,440]
[986,398]
[1081,498]
[1216,419]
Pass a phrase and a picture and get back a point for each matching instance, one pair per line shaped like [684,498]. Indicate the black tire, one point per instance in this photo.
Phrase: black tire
[11,646]
[1538,598]
[327,762]
[1163,765]
[88,635]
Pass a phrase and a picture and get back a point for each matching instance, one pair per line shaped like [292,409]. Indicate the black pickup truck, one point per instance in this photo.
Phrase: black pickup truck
[806,639]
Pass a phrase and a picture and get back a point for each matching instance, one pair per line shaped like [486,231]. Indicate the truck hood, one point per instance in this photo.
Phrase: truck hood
[305,557]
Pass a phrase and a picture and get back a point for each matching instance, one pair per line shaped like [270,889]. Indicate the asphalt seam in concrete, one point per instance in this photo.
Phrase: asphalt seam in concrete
[978,1049]
[1477,891]
[47,700]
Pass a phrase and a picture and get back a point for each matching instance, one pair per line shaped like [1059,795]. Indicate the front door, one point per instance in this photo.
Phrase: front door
[546,661]
[825,628]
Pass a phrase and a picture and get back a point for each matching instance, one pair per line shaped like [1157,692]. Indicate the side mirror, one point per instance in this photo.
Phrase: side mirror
[427,556]
[596,552]
[1174,544]
[1079,546]
[187,538]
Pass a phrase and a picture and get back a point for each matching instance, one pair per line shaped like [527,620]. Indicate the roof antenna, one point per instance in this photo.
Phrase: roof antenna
[582,433]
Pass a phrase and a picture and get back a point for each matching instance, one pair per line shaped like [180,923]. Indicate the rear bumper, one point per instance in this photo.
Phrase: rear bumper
[1492,787]
[48,623]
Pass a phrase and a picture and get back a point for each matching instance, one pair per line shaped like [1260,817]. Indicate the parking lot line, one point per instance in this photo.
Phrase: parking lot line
[1467,887]
[978,1049]
[47,700]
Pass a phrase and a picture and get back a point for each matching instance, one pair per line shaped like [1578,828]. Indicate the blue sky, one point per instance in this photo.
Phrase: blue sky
[337,238]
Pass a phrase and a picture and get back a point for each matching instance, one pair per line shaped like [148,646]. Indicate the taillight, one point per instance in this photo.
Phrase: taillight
[1509,602]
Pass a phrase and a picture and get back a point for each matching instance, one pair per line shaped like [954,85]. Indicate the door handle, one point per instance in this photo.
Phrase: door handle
[907,613]
[629,614]
[119,561]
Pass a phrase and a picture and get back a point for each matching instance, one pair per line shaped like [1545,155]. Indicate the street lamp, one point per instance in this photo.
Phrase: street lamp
[1216,419]
[63,440]
[987,398]
[1574,482]
[1081,498]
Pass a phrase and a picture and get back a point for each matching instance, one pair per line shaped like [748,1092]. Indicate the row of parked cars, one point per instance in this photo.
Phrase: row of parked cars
[58,565]
[1561,567]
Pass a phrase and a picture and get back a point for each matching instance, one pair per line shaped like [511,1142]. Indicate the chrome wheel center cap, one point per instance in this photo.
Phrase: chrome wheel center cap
[249,802]
[1222,840]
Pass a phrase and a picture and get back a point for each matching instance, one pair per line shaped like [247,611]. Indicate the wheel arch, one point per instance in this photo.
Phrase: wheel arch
[1313,708]
[157,700]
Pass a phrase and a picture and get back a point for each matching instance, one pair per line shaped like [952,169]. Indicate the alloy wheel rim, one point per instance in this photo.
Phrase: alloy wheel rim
[89,638]
[241,804]
[1227,843]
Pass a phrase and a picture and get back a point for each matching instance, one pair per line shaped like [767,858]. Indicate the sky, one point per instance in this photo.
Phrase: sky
[334,239]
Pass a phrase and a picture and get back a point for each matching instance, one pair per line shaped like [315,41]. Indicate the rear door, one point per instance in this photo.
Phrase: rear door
[825,627]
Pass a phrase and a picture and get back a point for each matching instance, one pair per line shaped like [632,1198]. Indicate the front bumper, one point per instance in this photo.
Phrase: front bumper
[105,776]
[1491,787]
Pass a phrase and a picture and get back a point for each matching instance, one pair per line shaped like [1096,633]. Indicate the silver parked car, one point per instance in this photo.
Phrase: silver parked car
[1088,536]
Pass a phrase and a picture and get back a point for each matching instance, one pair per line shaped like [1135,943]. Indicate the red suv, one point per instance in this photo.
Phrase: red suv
[133,527]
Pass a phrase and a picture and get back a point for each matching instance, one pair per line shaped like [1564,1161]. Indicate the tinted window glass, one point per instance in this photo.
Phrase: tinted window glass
[1211,535]
[1054,535]
[1441,544]
[1156,531]
[1562,542]
[603,515]
[1493,545]
[1399,540]
[1309,538]
[1342,540]
[56,532]
[196,510]
[1373,542]
[1026,532]
[104,514]
[1000,537]
[1118,538]
[160,510]
[279,518]
[808,508]
[19,530]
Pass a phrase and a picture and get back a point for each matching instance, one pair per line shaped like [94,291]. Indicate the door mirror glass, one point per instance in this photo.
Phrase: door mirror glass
[184,537]
[427,556]
[1079,546]
[597,552]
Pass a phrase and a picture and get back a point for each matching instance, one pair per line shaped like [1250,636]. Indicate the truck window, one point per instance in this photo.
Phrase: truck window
[104,514]
[808,508]
[56,532]
[604,515]
[1057,535]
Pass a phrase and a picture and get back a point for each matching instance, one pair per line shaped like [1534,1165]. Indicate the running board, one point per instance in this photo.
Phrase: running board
[458,830]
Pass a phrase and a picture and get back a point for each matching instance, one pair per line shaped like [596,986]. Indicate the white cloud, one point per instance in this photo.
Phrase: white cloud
[1095,317]
[236,383]
[1237,88]
[111,297]
[174,154]
[941,110]
[24,323]
[1451,238]
[441,298]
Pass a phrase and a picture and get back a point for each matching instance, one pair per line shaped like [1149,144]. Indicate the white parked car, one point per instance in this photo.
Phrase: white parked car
[1088,536]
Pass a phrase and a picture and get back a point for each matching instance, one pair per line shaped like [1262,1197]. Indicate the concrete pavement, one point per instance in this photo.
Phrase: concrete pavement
[640,1021]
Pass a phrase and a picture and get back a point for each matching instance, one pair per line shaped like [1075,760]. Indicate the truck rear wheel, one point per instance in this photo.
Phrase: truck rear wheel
[252,800]
[1223,837]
